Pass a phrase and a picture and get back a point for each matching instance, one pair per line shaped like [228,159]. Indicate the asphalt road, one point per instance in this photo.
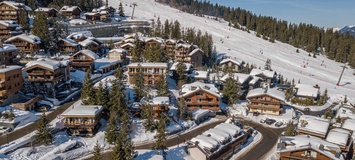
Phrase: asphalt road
[270,137]
[315,113]
[184,137]
[4,139]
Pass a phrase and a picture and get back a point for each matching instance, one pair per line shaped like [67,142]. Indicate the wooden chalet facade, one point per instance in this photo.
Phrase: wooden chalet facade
[26,43]
[200,95]
[48,12]
[231,64]
[266,101]
[91,44]
[82,120]
[151,71]
[10,10]
[182,51]
[84,60]
[8,29]
[70,12]
[170,47]
[118,54]
[160,105]
[10,83]
[154,42]
[9,54]
[92,16]
[68,45]
[46,75]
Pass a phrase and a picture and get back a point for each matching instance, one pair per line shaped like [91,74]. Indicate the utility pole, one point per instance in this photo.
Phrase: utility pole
[134,6]
[341,75]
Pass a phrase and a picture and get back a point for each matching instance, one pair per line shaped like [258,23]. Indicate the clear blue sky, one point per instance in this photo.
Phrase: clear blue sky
[323,13]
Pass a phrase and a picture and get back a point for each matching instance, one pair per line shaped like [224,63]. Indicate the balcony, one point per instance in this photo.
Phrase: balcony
[202,103]
[78,124]
[40,73]
[274,108]
[264,102]
[2,84]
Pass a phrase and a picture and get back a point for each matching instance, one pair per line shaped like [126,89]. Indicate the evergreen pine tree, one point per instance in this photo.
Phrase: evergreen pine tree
[160,144]
[180,76]
[40,29]
[23,21]
[87,91]
[162,86]
[43,135]
[120,10]
[117,151]
[289,129]
[97,151]
[345,99]
[182,109]
[32,4]
[138,84]
[102,95]
[147,115]
[230,91]
[126,141]
[166,34]
[110,131]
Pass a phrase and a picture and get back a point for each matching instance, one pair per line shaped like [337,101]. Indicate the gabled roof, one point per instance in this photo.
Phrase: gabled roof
[302,142]
[91,13]
[9,68]
[173,41]
[8,48]
[88,42]
[242,78]
[156,39]
[187,65]
[236,61]
[128,44]
[30,38]
[273,92]
[185,45]
[84,110]
[160,101]
[306,90]
[9,23]
[338,136]
[195,51]
[16,5]
[45,9]
[118,50]
[259,72]
[70,42]
[148,65]
[199,86]
[313,124]
[47,63]
[349,124]
[88,53]
[69,8]
[78,35]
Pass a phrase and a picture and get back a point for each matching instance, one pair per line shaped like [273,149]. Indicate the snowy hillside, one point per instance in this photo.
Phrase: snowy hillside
[248,47]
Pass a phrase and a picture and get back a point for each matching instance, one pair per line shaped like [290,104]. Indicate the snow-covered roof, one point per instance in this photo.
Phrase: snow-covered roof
[26,37]
[338,136]
[47,63]
[171,41]
[16,5]
[205,142]
[313,124]
[128,44]
[148,65]
[272,92]
[236,61]
[8,48]
[306,90]
[231,129]
[192,87]
[70,42]
[83,110]
[156,39]
[87,42]
[45,9]
[242,78]
[200,113]
[217,134]
[200,74]
[9,68]
[119,50]
[254,80]
[259,72]
[304,141]
[185,45]
[160,101]
[88,53]
[77,21]
[91,13]
[9,23]
[188,66]
[349,124]
[104,63]
[194,51]
[78,35]
[107,80]
[69,8]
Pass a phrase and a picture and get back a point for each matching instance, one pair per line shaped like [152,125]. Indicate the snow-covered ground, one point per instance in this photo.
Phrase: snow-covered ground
[247,47]
[177,153]
[23,118]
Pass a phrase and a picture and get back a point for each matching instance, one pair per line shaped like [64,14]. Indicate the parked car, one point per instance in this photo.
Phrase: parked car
[263,120]
[270,121]
[4,129]
[256,113]
[279,124]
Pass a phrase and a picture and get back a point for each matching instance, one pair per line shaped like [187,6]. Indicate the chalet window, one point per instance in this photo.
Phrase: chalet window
[199,99]
[188,99]
[199,93]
